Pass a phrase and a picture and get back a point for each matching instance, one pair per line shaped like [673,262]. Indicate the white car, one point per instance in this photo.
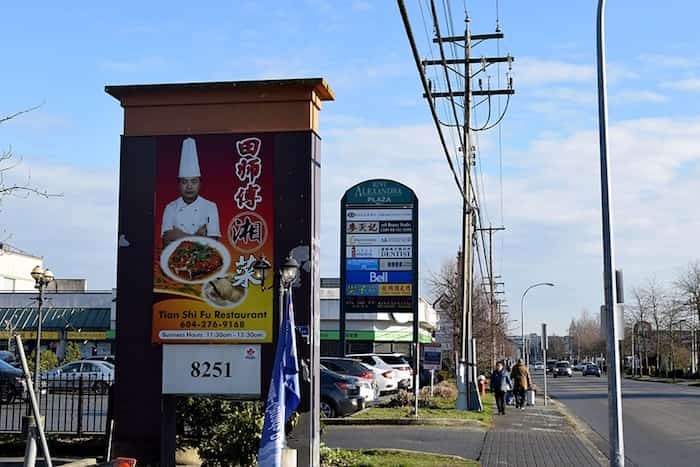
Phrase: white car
[384,375]
[539,366]
[396,362]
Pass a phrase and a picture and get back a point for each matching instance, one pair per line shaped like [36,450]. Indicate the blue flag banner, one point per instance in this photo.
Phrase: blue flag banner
[284,394]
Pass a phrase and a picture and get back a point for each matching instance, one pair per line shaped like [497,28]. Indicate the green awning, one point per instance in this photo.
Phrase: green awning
[54,318]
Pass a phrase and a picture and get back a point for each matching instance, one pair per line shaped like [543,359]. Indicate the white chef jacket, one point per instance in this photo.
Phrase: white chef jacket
[190,217]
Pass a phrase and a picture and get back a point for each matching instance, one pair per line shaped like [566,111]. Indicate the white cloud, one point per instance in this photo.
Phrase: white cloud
[76,233]
[640,96]
[552,201]
[535,71]
[688,84]
[667,61]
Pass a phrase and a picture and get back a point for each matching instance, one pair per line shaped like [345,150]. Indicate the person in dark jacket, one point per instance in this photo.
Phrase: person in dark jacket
[500,385]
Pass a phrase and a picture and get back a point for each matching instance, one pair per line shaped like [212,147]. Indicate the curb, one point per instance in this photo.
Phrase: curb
[582,428]
[406,421]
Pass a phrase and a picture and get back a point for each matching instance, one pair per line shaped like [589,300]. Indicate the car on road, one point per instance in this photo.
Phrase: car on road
[12,384]
[369,389]
[340,394]
[579,366]
[591,369]
[94,375]
[551,364]
[563,368]
[539,366]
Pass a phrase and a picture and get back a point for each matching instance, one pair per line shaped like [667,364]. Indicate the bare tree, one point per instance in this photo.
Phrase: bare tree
[8,161]
[446,289]
[584,333]
[637,316]
[687,285]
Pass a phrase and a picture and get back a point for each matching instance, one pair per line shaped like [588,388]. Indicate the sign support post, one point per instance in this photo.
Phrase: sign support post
[545,346]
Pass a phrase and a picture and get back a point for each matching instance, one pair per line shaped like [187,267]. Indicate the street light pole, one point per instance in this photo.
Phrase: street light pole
[617,442]
[522,313]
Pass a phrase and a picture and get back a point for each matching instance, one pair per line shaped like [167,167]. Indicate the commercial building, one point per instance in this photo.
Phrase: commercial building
[371,332]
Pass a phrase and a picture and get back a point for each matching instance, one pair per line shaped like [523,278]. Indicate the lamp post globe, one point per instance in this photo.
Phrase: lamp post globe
[37,272]
[289,271]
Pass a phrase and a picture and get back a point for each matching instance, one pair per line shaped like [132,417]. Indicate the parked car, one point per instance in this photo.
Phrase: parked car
[423,375]
[96,376]
[103,358]
[12,384]
[563,368]
[386,376]
[539,366]
[591,369]
[394,361]
[369,389]
[551,364]
[7,356]
[340,395]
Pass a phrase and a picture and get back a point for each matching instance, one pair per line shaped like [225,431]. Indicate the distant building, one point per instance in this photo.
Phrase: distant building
[16,268]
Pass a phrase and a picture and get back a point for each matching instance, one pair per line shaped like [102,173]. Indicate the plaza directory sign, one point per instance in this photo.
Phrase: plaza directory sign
[378,250]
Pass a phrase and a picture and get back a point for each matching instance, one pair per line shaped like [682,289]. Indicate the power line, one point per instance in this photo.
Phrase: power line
[416,57]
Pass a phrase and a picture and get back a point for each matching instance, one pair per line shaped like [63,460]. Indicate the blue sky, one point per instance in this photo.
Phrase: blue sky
[63,54]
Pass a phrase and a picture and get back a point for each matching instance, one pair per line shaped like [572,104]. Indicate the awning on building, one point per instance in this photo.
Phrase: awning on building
[70,319]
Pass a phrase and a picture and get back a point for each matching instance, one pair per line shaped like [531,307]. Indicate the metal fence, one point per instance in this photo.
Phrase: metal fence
[72,405]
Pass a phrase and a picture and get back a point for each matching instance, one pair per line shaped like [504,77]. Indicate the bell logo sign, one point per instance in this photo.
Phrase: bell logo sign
[381,277]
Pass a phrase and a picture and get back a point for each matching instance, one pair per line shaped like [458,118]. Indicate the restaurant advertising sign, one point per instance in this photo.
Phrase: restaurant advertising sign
[213,218]
[379,246]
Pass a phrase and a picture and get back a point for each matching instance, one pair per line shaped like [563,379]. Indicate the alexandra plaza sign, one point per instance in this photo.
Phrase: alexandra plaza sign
[378,249]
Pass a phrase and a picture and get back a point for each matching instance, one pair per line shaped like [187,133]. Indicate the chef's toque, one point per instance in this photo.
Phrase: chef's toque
[189,163]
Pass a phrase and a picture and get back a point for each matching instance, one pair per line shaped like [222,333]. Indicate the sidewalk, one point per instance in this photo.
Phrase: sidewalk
[537,436]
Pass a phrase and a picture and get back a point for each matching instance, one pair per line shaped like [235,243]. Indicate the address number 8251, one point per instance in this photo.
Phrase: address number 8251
[207,369]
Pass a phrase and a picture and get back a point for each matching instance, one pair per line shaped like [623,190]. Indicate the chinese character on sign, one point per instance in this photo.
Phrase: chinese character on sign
[245,273]
[248,170]
[248,197]
[248,147]
[246,230]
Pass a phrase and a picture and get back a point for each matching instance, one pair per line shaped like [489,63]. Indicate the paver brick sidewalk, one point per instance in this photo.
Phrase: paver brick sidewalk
[537,436]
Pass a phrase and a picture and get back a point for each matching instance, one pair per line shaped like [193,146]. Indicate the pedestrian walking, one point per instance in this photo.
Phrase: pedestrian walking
[500,385]
[520,375]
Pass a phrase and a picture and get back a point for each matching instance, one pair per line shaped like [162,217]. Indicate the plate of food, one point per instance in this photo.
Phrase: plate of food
[222,293]
[194,260]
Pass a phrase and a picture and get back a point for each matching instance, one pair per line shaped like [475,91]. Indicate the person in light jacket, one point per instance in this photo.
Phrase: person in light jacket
[500,385]
[521,382]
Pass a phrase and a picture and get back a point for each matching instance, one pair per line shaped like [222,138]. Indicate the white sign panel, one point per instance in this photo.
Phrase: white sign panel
[378,239]
[212,369]
[379,215]
[379,252]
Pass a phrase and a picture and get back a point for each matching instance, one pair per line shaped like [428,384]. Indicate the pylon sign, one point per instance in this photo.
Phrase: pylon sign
[379,248]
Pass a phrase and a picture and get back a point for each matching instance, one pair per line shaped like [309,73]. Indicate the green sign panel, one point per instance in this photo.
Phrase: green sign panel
[379,192]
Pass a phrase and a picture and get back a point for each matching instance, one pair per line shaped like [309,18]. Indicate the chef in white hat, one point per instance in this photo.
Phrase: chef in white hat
[190,214]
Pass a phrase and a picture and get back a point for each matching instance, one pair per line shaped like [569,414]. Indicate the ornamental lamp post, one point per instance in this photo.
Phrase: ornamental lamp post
[287,275]
[42,278]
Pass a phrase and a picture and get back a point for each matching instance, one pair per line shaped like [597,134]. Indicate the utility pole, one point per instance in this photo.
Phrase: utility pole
[459,68]
[492,291]
[468,395]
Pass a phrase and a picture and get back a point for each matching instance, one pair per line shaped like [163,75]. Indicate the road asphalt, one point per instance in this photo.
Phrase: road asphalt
[661,422]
